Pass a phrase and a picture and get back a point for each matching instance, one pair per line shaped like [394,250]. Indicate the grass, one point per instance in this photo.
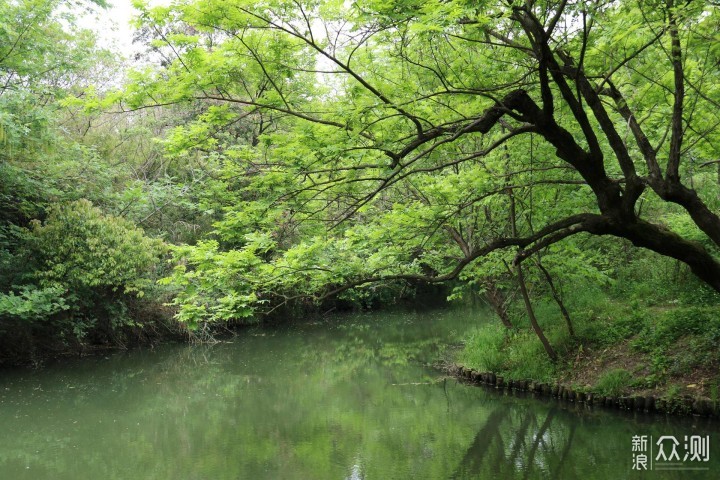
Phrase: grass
[515,354]
[614,382]
[643,333]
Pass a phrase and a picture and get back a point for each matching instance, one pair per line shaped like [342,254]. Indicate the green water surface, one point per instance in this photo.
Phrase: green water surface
[344,397]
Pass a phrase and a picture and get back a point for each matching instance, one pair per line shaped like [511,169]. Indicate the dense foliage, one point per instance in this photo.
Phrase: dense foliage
[301,154]
[71,274]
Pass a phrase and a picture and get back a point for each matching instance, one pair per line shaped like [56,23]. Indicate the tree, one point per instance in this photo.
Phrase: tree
[608,109]
[69,271]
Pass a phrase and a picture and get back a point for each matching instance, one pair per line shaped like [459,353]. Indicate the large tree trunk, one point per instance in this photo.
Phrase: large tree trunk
[662,241]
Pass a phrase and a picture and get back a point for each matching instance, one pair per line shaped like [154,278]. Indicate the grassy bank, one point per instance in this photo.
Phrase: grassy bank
[627,342]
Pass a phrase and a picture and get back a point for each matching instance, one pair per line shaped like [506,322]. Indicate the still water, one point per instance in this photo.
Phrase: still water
[345,397]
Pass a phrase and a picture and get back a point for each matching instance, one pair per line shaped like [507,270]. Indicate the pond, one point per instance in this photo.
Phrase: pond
[351,396]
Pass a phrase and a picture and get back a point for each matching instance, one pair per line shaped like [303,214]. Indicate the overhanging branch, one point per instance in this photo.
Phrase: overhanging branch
[550,234]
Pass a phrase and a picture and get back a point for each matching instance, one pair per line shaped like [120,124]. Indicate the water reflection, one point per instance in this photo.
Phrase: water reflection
[348,398]
[533,438]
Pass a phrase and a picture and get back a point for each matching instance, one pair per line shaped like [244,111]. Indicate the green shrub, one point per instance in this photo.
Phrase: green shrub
[674,401]
[31,304]
[80,248]
[679,322]
[85,267]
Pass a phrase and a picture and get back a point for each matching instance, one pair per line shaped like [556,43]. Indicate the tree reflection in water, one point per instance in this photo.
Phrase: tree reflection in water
[528,438]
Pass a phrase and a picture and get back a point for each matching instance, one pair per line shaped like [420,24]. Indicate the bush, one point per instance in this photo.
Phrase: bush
[80,248]
[85,268]
[31,304]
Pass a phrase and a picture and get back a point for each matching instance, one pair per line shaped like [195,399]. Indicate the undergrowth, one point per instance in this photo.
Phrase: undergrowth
[669,321]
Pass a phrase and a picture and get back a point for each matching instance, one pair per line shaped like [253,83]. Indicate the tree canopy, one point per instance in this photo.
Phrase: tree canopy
[425,122]
[294,152]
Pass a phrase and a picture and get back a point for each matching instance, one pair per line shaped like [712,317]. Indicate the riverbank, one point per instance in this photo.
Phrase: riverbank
[152,322]
[655,358]
[34,351]
[671,404]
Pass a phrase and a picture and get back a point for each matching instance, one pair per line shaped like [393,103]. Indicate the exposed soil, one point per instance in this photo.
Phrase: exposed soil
[591,364]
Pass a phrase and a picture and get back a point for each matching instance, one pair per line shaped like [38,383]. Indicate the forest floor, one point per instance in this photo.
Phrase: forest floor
[591,366]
